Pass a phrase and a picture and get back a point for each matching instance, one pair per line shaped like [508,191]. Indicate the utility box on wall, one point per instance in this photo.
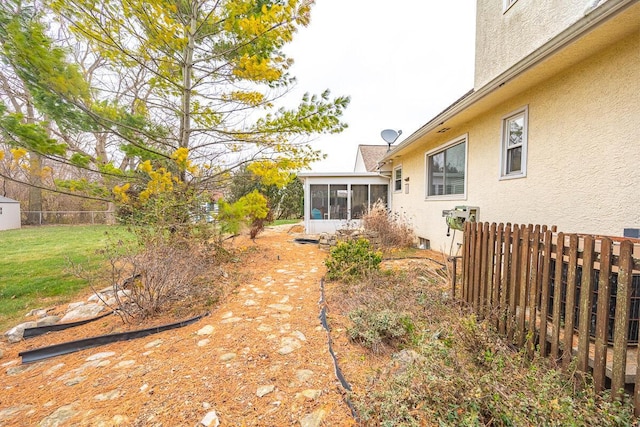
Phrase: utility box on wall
[456,217]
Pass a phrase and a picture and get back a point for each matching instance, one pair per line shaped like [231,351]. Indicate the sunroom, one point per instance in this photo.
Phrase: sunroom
[339,200]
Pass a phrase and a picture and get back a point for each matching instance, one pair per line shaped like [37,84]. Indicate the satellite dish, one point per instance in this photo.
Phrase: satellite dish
[390,136]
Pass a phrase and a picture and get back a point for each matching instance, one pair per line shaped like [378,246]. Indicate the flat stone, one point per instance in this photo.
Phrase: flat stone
[281,315]
[11,411]
[15,334]
[304,375]
[264,328]
[210,420]
[227,356]
[102,355]
[250,302]
[264,390]
[73,381]
[288,345]
[312,394]
[38,312]
[231,320]
[227,315]
[280,307]
[154,343]
[17,370]
[203,342]
[285,299]
[59,416]
[53,369]
[206,330]
[75,305]
[125,364]
[313,419]
[86,311]
[48,320]
[110,395]
[299,335]
[98,297]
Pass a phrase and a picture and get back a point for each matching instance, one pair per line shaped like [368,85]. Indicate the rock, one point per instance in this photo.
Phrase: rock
[15,334]
[210,420]
[99,297]
[75,380]
[102,355]
[48,320]
[313,419]
[110,395]
[17,370]
[203,342]
[75,305]
[312,394]
[304,375]
[53,369]
[125,363]
[206,330]
[289,345]
[82,312]
[227,356]
[231,320]
[11,411]
[264,328]
[59,416]
[299,335]
[38,312]
[264,390]
[250,302]
[154,343]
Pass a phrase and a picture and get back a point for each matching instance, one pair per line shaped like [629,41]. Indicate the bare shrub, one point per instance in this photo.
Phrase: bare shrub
[153,279]
[393,230]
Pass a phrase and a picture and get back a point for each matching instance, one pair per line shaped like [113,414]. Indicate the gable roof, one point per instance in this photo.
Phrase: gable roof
[371,155]
[7,200]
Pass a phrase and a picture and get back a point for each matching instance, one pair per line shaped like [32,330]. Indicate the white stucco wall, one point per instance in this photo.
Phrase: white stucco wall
[10,216]
[583,165]
[505,37]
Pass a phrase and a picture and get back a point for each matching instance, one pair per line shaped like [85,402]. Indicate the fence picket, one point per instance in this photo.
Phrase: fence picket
[497,276]
[523,283]
[506,271]
[544,292]
[602,316]
[533,289]
[569,307]
[514,285]
[484,266]
[621,320]
[557,294]
[477,268]
[586,296]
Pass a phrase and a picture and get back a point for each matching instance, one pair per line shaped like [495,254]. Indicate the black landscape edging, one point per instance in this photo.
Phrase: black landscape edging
[83,344]
[303,240]
[343,381]
[39,330]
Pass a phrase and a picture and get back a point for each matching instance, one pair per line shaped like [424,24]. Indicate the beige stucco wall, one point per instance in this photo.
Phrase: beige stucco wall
[583,165]
[505,37]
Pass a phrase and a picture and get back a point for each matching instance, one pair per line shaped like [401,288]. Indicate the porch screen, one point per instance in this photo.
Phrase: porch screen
[319,201]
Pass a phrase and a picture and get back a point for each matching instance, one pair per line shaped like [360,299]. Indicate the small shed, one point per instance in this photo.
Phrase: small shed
[9,213]
[336,200]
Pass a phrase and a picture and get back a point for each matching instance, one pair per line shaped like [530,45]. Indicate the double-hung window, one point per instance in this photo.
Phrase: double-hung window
[446,169]
[397,179]
[514,144]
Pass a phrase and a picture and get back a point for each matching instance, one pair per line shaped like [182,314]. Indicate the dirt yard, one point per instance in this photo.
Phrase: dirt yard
[260,358]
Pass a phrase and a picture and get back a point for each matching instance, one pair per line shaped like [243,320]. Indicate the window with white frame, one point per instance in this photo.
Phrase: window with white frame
[397,179]
[446,169]
[514,144]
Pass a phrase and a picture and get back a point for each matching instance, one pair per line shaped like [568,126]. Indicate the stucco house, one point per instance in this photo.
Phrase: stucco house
[9,213]
[550,133]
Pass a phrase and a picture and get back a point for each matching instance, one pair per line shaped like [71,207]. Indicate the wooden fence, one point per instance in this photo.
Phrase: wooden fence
[548,291]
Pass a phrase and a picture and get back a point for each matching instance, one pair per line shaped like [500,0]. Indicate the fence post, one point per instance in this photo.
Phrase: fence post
[497,276]
[602,317]
[533,290]
[621,321]
[506,271]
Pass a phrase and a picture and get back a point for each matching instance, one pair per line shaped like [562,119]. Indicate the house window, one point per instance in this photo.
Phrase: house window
[514,144]
[397,179]
[446,169]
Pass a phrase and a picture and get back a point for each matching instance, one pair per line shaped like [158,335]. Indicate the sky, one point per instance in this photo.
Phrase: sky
[401,62]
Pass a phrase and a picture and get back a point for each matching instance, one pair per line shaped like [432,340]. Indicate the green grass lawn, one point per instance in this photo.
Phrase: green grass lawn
[35,266]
